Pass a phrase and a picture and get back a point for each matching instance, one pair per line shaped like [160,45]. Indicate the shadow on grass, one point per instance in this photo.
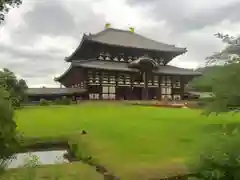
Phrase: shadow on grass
[185,140]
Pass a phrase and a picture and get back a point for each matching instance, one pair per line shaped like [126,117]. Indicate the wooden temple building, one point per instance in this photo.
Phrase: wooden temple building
[119,64]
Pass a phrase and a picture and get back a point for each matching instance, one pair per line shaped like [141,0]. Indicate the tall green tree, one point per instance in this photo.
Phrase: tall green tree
[5,6]
[204,82]
[16,88]
[9,141]
[221,160]
[224,80]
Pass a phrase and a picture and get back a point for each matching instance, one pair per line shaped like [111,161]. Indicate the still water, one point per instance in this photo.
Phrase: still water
[44,157]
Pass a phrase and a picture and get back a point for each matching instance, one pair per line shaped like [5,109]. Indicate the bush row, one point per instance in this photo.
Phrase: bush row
[61,101]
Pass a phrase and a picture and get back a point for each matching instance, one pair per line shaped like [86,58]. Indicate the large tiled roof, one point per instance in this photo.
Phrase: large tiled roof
[54,91]
[121,66]
[131,39]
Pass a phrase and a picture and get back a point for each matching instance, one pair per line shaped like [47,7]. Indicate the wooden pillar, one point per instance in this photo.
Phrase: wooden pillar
[145,89]
[101,87]
[182,82]
[131,87]
[171,77]
[116,89]
[159,89]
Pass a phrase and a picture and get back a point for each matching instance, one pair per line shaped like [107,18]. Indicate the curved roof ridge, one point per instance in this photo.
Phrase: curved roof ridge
[64,73]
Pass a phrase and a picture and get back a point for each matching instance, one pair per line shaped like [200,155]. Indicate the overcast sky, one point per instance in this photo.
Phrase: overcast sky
[36,37]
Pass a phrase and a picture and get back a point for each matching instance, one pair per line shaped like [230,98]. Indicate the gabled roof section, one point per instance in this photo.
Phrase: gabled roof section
[130,39]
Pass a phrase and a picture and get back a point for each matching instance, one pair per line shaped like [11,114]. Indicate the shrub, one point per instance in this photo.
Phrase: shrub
[44,102]
[65,100]
[220,160]
[58,101]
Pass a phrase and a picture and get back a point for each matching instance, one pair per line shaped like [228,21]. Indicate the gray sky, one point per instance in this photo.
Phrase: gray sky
[36,37]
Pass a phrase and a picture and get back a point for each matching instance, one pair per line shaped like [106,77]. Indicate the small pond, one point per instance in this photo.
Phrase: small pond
[44,157]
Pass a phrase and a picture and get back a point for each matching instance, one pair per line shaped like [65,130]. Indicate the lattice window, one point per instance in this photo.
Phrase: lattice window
[166,90]
[112,89]
[105,89]
[93,96]
[166,80]
[105,96]
[112,96]
[108,92]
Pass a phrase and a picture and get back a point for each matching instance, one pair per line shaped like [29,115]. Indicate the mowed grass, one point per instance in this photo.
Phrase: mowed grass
[132,141]
[73,171]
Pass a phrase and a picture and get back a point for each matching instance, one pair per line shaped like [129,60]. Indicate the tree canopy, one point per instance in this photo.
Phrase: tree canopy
[222,80]
[8,136]
[16,88]
[204,82]
[5,5]
[221,159]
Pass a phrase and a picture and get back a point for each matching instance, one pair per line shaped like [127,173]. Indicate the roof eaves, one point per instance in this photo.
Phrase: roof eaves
[54,91]
[69,58]
[84,64]
[184,50]
[61,76]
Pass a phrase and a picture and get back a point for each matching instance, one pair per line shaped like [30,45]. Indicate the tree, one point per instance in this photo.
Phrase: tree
[8,136]
[5,5]
[224,81]
[15,87]
[221,161]
[204,82]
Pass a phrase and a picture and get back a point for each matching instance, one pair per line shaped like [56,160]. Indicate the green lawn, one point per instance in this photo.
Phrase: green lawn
[74,171]
[132,141]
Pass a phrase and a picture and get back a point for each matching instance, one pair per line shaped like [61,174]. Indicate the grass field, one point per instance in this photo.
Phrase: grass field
[134,142]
